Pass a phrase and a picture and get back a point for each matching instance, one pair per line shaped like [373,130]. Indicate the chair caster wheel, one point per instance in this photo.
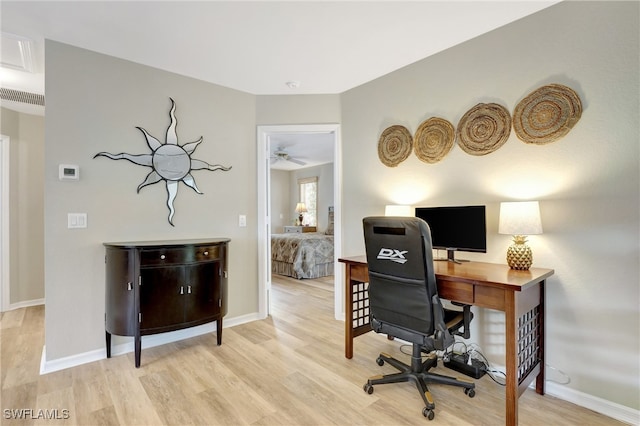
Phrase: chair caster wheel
[380,361]
[368,388]
[470,392]
[429,414]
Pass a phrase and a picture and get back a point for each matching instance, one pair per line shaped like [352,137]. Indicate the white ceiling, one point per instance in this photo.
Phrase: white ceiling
[313,149]
[327,47]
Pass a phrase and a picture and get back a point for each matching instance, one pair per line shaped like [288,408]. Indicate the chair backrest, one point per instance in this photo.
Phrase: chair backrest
[403,295]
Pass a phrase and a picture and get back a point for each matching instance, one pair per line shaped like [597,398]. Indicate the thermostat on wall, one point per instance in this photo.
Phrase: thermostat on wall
[68,172]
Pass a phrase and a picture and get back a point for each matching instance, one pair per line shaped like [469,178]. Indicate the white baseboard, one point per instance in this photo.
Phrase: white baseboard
[599,405]
[594,403]
[147,342]
[25,304]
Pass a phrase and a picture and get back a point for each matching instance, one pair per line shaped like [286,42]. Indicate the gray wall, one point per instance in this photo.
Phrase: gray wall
[297,109]
[94,103]
[324,173]
[284,195]
[587,183]
[280,201]
[26,133]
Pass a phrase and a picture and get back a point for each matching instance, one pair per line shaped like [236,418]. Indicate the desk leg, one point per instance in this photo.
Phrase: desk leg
[348,316]
[525,358]
[511,331]
[540,376]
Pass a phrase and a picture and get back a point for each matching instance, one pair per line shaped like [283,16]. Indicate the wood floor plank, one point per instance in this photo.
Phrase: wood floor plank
[104,417]
[131,403]
[55,381]
[56,407]
[170,401]
[18,398]
[288,369]
[91,395]
[12,319]
[241,400]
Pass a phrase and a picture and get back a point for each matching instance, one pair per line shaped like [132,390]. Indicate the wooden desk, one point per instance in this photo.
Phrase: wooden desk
[519,294]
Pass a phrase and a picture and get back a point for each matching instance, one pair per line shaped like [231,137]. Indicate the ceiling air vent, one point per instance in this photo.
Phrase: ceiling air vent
[23,97]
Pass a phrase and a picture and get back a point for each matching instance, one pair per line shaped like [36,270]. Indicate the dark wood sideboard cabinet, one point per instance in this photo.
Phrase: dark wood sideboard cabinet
[159,286]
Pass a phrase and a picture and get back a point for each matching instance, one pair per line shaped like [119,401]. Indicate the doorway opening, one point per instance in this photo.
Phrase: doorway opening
[266,135]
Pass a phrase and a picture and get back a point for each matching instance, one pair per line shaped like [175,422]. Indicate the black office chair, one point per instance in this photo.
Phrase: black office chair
[404,303]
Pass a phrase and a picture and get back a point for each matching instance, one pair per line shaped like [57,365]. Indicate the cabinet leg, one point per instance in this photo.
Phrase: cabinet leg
[108,341]
[219,330]
[137,350]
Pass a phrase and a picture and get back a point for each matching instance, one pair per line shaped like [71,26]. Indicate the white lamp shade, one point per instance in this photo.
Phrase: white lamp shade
[520,218]
[301,208]
[396,210]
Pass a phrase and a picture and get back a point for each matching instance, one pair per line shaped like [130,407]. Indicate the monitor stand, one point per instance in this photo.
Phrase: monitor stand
[451,257]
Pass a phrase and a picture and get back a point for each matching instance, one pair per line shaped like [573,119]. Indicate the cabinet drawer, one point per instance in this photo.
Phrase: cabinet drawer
[164,256]
[207,253]
[490,297]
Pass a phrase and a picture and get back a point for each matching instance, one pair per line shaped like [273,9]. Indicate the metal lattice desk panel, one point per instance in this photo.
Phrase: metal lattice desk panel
[360,308]
[528,342]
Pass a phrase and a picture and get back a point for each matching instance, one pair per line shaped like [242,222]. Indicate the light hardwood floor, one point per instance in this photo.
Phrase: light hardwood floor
[289,369]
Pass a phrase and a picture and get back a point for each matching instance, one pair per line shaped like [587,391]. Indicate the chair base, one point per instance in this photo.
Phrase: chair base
[418,373]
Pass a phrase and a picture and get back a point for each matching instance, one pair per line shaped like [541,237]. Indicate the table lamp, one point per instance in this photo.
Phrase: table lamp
[300,209]
[520,218]
[395,210]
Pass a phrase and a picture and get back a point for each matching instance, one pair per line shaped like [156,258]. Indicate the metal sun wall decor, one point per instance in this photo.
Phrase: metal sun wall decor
[169,162]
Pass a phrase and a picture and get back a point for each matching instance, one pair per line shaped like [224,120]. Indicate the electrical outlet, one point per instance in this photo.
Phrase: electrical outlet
[242,220]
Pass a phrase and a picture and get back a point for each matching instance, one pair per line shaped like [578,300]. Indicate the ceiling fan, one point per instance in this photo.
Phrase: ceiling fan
[281,155]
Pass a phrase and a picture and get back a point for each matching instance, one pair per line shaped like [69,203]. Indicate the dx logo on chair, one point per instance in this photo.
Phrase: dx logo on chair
[392,255]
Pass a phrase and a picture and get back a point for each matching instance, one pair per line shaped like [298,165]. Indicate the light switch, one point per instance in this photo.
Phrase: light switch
[76,220]
[242,220]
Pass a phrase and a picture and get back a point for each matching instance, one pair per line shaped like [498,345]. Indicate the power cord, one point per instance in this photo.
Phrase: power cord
[474,351]
[567,380]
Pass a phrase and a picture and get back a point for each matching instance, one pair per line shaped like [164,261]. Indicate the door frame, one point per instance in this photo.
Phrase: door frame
[5,161]
[264,134]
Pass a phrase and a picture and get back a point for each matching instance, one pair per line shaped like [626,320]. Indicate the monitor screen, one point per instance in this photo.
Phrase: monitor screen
[461,228]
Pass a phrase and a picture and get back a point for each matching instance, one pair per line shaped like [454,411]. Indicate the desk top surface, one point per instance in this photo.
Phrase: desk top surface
[495,274]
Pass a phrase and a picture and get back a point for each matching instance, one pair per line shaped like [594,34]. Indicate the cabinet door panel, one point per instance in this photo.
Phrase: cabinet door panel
[203,301]
[161,303]
[119,292]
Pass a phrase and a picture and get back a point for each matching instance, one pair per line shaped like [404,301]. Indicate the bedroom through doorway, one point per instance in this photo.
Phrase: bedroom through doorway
[315,272]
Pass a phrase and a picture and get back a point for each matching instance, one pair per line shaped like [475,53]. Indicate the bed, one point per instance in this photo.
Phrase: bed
[302,255]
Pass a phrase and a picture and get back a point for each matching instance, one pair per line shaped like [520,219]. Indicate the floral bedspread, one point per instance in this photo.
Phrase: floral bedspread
[304,251]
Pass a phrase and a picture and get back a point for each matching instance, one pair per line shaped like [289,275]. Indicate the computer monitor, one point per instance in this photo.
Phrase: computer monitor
[458,228]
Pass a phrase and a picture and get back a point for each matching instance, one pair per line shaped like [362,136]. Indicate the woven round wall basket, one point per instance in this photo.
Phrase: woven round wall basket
[546,114]
[433,140]
[483,129]
[395,145]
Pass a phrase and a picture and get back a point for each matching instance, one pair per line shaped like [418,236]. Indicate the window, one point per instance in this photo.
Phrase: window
[309,196]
